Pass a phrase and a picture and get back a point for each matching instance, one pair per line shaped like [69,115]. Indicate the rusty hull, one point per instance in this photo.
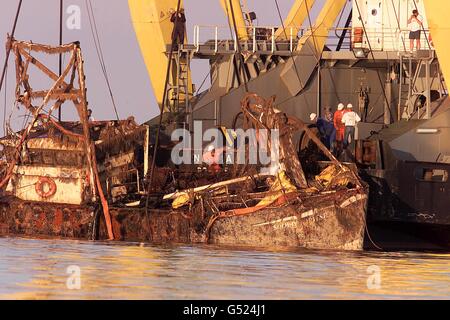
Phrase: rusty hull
[335,221]
[325,221]
[37,219]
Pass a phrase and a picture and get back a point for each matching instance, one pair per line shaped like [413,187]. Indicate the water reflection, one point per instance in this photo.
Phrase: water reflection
[36,269]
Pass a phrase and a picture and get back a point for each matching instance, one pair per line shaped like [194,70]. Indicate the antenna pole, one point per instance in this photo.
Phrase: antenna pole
[8,51]
[61,16]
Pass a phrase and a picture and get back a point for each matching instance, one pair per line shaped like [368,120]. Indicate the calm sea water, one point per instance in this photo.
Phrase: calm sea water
[37,269]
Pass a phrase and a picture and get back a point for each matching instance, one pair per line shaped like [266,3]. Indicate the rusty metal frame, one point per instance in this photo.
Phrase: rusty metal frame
[262,114]
[61,92]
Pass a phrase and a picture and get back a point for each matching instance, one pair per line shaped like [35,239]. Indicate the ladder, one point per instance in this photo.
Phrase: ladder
[410,71]
[405,86]
[180,86]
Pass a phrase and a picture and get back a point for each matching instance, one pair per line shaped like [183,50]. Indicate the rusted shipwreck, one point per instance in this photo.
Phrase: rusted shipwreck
[90,180]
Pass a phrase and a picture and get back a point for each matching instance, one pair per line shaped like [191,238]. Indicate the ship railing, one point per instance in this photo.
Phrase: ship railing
[426,41]
[260,38]
[389,39]
[267,39]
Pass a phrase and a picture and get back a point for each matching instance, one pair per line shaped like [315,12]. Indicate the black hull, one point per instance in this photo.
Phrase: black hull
[407,236]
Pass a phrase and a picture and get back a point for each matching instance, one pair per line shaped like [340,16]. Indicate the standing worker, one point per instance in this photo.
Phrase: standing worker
[339,126]
[415,27]
[179,27]
[350,119]
[320,124]
[330,131]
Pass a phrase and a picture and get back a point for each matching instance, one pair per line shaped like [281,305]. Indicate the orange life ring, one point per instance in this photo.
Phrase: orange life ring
[40,187]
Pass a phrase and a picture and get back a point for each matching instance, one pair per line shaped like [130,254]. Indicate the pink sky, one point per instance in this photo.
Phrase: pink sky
[131,86]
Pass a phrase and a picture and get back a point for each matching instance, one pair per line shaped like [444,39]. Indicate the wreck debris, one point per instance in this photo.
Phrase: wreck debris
[60,176]
[61,92]
[184,196]
[227,211]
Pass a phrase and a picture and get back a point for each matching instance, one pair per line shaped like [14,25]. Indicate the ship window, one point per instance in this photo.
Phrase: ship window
[374,12]
[434,175]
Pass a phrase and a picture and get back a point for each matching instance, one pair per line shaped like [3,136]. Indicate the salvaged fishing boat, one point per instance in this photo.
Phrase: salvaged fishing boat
[90,179]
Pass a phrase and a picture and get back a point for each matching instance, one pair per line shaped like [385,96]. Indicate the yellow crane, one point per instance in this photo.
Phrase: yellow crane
[439,25]
[295,19]
[151,20]
[233,11]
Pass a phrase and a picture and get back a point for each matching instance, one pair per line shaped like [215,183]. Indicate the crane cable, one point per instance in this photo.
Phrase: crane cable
[398,23]
[423,27]
[374,60]
[318,61]
[99,50]
[285,34]
[241,58]
[5,103]
[292,55]
[230,65]
[161,113]
[312,31]
[8,52]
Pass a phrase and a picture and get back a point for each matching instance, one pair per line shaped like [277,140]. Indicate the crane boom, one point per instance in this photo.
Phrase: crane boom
[295,19]
[234,7]
[439,25]
[311,46]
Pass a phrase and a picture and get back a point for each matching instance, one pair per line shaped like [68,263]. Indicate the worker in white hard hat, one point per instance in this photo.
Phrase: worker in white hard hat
[339,126]
[313,117]
[350,119]
[211,156]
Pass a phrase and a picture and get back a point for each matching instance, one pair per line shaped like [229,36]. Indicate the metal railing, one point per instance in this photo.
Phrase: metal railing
[392,40]
[258,36]
[267,38]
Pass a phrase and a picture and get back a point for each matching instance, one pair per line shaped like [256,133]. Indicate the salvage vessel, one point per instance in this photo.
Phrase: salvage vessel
[120,176]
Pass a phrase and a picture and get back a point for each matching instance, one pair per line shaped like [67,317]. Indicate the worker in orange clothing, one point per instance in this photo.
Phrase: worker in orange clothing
[340,127]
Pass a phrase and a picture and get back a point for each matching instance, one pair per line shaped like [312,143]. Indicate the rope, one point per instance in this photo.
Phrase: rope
[204,81]
[5,102]
[370,239]
[99,50]
[8,52]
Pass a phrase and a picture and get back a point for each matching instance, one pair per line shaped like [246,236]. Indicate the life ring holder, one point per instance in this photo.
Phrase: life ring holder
[39,187]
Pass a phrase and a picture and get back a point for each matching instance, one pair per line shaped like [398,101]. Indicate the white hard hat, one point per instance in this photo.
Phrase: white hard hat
[341,106]
[210,148]
[349,106]
[312,116]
